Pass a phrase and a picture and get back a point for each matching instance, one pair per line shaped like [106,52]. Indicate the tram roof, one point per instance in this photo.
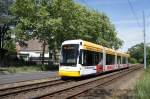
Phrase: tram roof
[95,47]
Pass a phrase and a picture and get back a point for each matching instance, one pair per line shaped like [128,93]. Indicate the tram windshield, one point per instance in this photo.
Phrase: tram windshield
[69,54]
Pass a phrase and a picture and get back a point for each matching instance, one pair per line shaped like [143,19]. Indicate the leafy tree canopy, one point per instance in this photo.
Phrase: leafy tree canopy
[6,20]
[137,52]
[54,21]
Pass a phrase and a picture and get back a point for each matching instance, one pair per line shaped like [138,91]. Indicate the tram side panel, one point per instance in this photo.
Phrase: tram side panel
[119,62]
[125,62]
[97,62]
[110,62]
[87,63]
[116,65]
[92,62]
[84,59]
[113,62]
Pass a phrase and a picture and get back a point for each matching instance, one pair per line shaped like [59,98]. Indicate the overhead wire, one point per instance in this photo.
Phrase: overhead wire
[133,12]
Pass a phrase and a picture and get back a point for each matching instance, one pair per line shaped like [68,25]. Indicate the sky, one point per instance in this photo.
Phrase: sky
[127,19]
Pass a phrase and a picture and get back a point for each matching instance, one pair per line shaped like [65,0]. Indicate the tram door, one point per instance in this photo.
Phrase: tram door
[119,61]
[87,62]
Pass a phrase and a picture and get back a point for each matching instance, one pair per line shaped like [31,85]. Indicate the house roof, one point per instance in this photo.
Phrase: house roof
[30,45]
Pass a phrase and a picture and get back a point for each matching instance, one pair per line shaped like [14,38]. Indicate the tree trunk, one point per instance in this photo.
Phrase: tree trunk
[43,58]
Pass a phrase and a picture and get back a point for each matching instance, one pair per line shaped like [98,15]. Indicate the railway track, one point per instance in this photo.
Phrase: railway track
[59,88]
[8,92]
[73,91]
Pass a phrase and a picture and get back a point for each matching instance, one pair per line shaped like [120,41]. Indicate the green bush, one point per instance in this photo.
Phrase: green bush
[132,60]
[22,69]
[142,89]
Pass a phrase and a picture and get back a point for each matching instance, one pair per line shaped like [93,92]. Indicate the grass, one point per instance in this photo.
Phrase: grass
[142,89]
[26,69]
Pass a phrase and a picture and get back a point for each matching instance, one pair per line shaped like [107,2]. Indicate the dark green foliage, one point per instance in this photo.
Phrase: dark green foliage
[132,60]
[5,16]
[27,69]
[5,20]
[10,46]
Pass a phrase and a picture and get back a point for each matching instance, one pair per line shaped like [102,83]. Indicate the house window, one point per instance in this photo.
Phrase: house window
[24,57]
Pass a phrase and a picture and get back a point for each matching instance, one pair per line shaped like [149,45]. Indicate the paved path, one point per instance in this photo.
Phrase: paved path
[11,78]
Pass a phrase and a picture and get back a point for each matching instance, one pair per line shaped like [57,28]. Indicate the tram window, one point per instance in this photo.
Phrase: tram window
[127,60]
[110,59]
[118,60]
[80,57]
[87,58]
[91,58]
[98,58]
[123,60]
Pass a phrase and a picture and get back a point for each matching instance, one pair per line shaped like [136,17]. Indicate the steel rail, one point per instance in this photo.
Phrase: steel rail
[18,89]
[71,91]
[101,84]
[55,87]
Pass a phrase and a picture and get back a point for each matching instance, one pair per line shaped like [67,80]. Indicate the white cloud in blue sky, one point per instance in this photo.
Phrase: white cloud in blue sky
[131,32]
[122,17]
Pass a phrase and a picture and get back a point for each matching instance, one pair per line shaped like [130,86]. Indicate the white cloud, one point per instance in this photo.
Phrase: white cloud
[132,22]
[122,22]
[132,36]
[131,33]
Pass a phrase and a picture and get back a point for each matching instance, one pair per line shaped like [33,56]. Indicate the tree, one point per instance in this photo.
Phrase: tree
[79,22]
[5,22]
[53,21]
[137,52]
[6,43]
[5,16]
[35,21]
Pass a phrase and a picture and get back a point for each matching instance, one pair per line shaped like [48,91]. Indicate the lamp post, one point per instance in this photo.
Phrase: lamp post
[144,40]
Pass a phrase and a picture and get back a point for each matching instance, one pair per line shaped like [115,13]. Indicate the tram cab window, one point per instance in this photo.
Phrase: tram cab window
[69,54]
[110,59]
[91,58]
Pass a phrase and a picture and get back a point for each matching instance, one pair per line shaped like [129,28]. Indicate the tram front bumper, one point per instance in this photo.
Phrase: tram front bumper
[69,73]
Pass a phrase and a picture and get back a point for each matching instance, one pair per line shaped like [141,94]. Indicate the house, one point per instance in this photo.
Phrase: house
[31,51]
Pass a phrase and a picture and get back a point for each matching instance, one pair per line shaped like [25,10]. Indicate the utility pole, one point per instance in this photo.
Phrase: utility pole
[144,40]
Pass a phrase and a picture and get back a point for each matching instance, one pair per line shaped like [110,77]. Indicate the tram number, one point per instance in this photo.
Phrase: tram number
[88,67]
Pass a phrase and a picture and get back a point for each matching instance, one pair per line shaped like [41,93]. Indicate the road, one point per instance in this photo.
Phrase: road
[13,78]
